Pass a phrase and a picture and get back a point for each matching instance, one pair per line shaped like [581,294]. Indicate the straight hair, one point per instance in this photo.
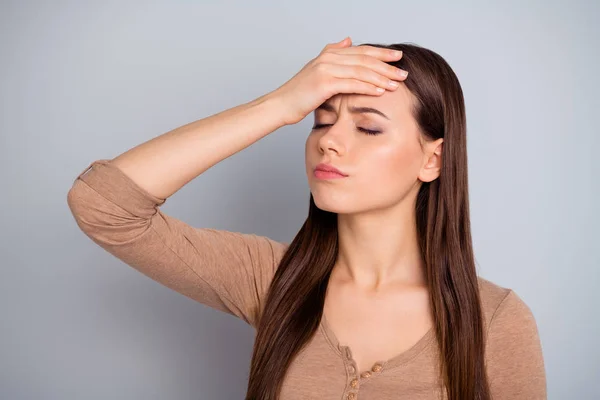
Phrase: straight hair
[296,296]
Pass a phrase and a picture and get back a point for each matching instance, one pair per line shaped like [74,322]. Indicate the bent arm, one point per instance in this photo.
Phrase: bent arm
[164,164]
[228,271]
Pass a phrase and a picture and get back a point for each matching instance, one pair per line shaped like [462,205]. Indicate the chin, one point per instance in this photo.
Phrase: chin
[333,202]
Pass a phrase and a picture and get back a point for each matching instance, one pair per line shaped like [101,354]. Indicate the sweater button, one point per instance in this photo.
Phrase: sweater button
[365,374]
[354,383]
[351,396]
[377,368]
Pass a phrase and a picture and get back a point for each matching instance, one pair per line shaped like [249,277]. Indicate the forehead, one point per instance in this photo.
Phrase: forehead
[396,104]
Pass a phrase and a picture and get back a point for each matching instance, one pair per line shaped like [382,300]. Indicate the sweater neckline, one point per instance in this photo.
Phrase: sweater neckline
[346,352]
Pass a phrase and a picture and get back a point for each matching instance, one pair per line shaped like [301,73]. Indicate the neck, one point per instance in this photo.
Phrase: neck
[379,248]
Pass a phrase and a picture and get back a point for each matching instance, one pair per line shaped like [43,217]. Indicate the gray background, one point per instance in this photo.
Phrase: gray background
[87,80]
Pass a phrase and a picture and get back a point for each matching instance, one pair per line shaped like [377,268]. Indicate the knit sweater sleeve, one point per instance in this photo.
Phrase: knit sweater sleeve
[228,271]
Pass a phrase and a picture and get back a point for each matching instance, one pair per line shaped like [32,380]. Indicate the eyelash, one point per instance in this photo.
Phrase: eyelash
[366,131]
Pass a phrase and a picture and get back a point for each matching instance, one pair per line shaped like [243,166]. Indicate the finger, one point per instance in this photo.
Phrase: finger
[355,86]
[341,44]
[378,66]
[344,43]
[361,73]
[372,51]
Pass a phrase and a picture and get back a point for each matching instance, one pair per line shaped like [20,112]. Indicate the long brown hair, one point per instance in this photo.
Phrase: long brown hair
[296,296]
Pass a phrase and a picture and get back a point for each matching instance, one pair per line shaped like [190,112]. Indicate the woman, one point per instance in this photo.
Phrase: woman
[377,297]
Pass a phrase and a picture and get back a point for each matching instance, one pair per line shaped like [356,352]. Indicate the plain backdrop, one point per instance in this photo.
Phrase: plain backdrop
[81,81]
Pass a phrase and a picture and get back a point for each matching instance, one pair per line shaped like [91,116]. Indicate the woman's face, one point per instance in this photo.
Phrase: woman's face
[382,168]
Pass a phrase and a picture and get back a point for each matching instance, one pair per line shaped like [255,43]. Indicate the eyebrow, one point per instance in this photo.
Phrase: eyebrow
[353,110]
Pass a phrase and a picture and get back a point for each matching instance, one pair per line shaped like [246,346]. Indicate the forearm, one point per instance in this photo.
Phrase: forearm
[164,164]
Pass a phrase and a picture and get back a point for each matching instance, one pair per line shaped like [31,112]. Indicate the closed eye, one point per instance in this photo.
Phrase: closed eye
[367,131]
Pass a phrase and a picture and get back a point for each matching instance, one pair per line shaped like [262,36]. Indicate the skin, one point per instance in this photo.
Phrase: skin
[377,287]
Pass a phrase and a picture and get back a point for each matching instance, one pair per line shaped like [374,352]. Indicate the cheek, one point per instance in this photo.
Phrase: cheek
[308,152]
[391,170]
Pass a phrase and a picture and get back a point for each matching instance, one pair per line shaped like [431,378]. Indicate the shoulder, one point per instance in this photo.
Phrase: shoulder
[503,306]
[492,295]
[514,356]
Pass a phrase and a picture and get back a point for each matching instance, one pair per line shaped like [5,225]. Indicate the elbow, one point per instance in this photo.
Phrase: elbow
[101,220]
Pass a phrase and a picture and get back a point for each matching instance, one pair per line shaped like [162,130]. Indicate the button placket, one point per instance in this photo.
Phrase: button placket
[353,384]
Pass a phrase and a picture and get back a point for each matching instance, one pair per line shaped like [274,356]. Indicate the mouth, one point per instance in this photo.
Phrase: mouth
[326,171]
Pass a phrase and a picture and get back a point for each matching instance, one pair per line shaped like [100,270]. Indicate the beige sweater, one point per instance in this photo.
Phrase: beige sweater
[231,272]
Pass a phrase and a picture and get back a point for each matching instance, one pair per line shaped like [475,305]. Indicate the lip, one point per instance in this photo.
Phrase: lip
[323,170]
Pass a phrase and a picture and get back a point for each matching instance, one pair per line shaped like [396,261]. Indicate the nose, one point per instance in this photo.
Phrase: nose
[332,140]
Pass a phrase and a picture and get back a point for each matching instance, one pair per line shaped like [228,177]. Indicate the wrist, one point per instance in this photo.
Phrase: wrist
[272,105]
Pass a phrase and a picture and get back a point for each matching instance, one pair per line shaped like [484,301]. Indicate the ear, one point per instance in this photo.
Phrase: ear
[432,159]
